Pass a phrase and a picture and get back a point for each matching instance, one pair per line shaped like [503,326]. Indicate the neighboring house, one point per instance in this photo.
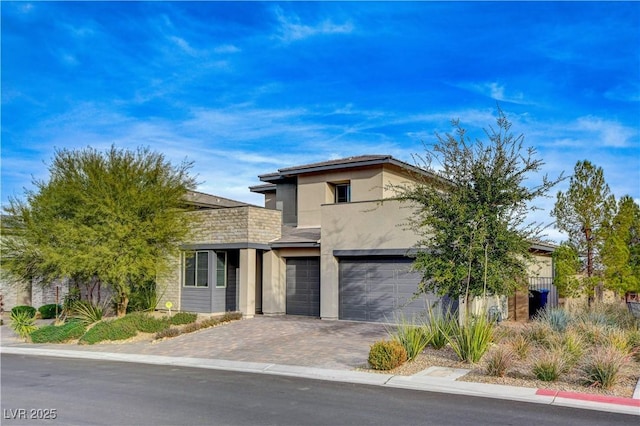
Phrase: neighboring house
[329,242]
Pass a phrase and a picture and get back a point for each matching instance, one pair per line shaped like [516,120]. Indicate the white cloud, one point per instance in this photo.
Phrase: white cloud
[494,90]
[226,48]
[608,133]
[292,28]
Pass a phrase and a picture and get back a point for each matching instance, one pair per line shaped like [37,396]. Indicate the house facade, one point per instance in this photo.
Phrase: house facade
[329,242]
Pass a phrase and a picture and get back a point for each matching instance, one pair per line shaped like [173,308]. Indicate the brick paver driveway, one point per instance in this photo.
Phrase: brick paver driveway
[288,340]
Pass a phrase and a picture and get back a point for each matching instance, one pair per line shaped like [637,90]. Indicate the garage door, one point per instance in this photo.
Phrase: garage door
[379,289]
[303,286]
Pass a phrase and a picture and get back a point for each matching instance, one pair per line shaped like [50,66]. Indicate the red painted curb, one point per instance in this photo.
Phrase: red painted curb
[590,397]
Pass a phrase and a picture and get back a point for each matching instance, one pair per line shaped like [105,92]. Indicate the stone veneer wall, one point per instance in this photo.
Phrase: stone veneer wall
[236,225]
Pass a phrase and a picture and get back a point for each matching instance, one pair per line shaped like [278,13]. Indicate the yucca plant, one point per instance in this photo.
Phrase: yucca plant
[414,338]
[23,323]
[471,339]
[439,327]
[557,318]
[86,312]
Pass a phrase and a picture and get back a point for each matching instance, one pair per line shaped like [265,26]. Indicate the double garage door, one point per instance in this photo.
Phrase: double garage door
[379,290]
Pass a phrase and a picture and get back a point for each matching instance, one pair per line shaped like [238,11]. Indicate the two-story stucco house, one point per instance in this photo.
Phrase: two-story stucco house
[329,242]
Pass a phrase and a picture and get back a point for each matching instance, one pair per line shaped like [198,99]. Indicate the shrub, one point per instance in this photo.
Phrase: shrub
[413,337]
[145,323]
[548,366]
[58,334]
[471,339]
[539,333]
[558,319]
[520,345]
[573,347]
[594,333]
[23,322]
[183,318]
[49,311]
[387,355]
[499,361]
[602,368]
[618,339]
[231,316]
[109,330]
[30,310]
[86,312]
[634,343]
[168,332]
[439,328]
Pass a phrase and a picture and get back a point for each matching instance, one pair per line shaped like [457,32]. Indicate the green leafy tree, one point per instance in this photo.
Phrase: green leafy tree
[621,248]
[582,212]
[110,217]
[567,266]
[471,213]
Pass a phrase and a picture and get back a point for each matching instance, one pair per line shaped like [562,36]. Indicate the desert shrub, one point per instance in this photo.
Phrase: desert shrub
[23,322]
[59,333]
[618,339]
[167,332]
[594,333]
[183,318]
[30,310]
[471,339]
[549,366]
[499,361]
[539,333]
[231,316]
[145,323]
[573,347]
[49,311]
[86,312]
[144,297]
[557,318]
[109,330]
[602,368]
[195,326]
[520,345]
[634,343]
[414,338]
[439,327]
[387,355]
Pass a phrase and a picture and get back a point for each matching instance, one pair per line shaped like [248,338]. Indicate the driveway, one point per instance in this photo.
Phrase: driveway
[288,340]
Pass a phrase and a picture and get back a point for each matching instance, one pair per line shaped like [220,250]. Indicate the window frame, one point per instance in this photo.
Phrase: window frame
[337,188]
[195,254]
[220,254]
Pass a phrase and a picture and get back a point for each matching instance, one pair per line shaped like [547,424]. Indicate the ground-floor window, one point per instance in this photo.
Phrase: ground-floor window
[197,271]
[221,269]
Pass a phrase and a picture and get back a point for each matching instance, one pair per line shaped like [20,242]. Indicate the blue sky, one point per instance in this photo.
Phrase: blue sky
[246,88]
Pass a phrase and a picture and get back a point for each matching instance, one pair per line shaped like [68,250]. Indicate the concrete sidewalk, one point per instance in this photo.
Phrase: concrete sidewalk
[308,348]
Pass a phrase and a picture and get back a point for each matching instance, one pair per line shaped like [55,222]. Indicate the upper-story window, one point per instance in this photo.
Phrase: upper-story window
[343,193]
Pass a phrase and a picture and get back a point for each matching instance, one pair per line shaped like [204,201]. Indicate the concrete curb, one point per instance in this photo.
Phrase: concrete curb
[420,381]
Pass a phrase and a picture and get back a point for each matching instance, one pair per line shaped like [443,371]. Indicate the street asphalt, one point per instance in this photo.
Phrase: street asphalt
[306,348]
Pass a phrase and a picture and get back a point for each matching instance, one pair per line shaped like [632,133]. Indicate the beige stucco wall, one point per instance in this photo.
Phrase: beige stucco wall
[358,226]
[314,190]
[247,224]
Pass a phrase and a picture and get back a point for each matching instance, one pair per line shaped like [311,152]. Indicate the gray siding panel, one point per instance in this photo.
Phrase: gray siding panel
[303,286]
[196,299]
[379,290]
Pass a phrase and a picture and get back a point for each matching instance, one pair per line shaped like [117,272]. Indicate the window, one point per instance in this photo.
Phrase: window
[221,269]
[343,193]
[196,269]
